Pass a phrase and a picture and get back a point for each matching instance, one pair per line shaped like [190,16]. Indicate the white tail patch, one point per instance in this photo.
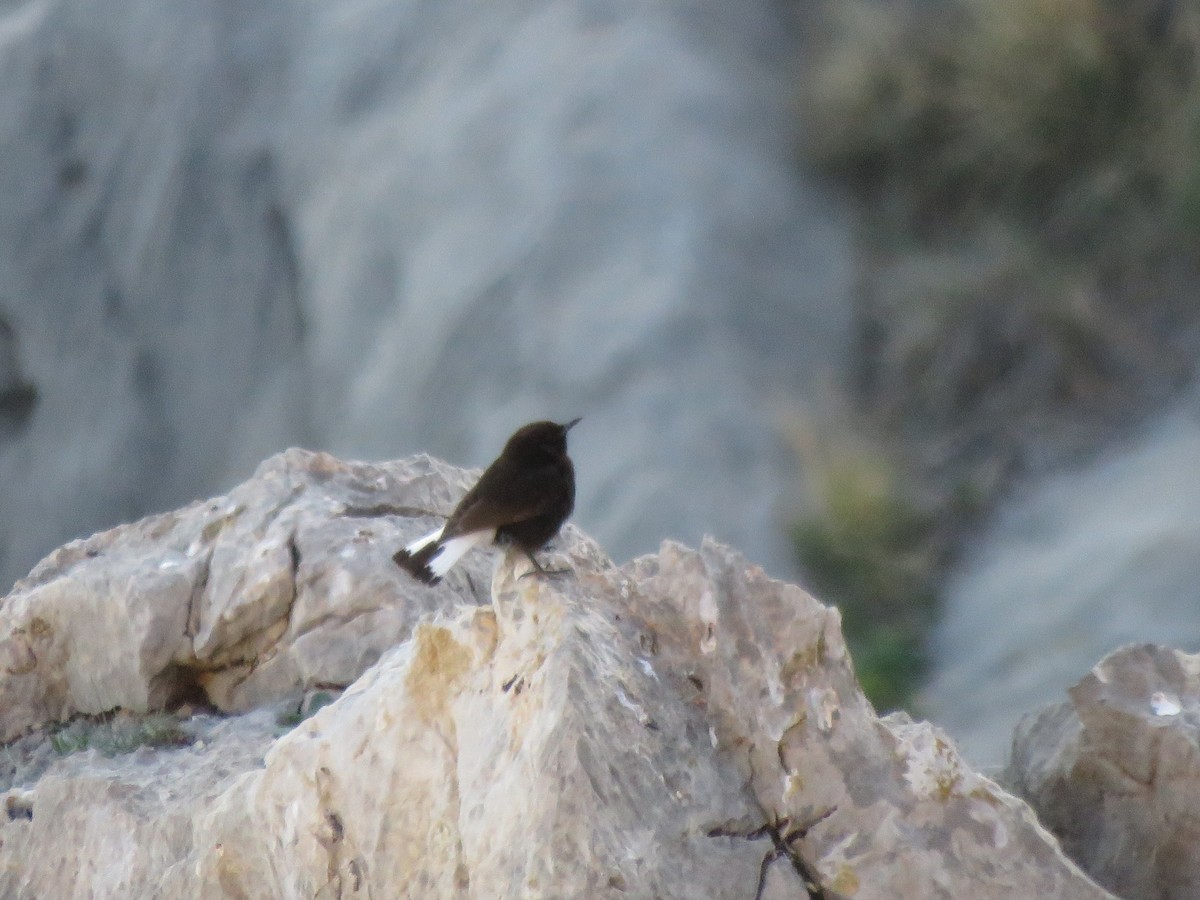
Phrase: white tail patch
[454,549]
[423,541]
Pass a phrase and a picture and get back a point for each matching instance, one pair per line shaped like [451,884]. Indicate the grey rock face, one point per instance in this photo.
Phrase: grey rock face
[671,728]
[1114,771]
[377,227]
[1075,565]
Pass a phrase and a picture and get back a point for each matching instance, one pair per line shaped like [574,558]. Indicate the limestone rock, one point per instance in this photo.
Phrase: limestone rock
[284,584]
[1115,771]
[676,728]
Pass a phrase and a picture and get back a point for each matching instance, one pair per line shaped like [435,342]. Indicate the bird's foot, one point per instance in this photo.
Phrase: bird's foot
[539,570]
[548,573]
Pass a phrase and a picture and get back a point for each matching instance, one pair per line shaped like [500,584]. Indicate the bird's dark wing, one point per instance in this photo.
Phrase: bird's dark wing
[505,493]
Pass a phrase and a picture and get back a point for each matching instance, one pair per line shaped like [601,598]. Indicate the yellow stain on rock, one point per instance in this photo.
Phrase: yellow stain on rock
[485,630]
[845,882]
[439,660]
[40,628]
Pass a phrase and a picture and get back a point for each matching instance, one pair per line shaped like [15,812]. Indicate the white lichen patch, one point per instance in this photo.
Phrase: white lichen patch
[1164,704]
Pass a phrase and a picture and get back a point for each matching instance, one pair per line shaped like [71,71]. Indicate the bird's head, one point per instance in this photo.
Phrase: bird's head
[540,439]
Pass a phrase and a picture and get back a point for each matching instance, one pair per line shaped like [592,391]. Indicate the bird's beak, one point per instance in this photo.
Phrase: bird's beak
[571,424]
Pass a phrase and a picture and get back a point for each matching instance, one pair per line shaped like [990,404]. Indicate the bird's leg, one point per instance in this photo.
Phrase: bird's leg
[538,566]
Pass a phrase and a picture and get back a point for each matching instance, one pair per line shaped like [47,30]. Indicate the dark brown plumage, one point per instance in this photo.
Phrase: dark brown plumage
[522,498]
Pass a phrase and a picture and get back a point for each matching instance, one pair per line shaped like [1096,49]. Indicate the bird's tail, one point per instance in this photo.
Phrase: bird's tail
[414,557]
[429,558]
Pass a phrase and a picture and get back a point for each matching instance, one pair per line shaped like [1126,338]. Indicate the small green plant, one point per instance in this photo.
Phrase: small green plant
[119,733]
[310,705]
[72,738]
[869,547]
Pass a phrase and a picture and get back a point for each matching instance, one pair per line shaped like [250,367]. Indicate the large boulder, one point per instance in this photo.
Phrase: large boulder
[1114,771]
[683,726]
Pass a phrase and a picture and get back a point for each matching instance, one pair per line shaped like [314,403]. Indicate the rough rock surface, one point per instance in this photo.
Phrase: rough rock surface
[1115,771]
[1074,565]
[671,728]
[380,227]
[283,585]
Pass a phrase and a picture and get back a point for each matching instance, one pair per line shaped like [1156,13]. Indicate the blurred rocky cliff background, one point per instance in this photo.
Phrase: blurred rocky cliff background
[897,307]
[375,228]
[1027,177]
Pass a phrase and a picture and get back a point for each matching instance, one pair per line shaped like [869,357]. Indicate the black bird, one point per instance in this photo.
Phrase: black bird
[522,498]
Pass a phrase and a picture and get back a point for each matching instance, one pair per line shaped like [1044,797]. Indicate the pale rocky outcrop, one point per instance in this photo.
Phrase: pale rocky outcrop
[667,729]
[1115,771]
[284,584]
